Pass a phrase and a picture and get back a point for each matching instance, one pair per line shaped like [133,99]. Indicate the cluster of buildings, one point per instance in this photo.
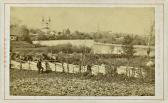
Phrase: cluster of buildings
[45,28]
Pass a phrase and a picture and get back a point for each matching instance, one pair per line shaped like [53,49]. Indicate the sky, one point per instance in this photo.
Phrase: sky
[87,19]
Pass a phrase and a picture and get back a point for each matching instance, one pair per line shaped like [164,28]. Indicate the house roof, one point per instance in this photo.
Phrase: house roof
[34,34]
[13,35]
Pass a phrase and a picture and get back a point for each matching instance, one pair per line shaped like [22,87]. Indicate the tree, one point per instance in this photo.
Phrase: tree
[151,39]
[24,31]
[67,31]
[14,29]
[76,32]
[128,46]
[128,49]
[42,37]
[33,31]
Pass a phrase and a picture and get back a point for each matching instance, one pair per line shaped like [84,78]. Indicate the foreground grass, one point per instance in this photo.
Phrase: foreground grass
[30,83]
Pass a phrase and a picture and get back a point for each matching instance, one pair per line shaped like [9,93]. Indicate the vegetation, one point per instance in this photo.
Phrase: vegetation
[21,31]
[104,37]
[30,83]
[128,46]
[27,82]
[69,48]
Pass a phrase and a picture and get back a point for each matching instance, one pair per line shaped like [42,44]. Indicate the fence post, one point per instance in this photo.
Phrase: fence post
[141,74]
[133,72]
[63,69]
[130,72]
[20,65]
[73,69]
[55,67]
[67,67]
[29,65]
[126,71]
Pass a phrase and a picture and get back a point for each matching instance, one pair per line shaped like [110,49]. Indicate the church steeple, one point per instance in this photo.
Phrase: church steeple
[46,25]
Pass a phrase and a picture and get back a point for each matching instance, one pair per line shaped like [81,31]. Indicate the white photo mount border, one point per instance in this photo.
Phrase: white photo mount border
[159,51]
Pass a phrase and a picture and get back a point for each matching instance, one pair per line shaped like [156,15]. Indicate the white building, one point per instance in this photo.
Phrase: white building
[46,25]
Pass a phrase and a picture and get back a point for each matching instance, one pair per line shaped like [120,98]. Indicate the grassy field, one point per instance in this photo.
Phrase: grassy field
[24,47]
[30,83]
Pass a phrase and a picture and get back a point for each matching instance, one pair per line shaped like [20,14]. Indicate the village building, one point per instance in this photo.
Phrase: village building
[46,25]
[34,36]
[13,37]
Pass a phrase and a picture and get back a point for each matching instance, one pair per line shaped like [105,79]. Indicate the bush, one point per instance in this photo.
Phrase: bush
[69,48]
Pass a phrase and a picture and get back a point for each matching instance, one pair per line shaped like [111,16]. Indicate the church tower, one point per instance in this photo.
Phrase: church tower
[46,25]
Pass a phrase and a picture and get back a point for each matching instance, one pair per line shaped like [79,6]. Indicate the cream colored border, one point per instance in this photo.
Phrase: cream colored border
[159,52]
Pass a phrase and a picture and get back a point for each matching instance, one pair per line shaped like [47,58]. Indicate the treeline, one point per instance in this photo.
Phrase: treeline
[69,48]
[84,54]
[117,38]
[22,33]
[27,34]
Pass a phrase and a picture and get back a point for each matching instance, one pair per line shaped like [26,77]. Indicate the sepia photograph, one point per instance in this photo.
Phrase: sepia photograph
[82,51]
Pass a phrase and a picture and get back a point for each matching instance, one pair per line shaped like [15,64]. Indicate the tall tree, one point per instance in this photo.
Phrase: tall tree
[151,39]
[67,32]
[128,50]
[128,46]
[24,31]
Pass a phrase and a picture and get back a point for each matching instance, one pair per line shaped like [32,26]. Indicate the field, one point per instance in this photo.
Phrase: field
[30,83]
[27,82]
[23,47]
